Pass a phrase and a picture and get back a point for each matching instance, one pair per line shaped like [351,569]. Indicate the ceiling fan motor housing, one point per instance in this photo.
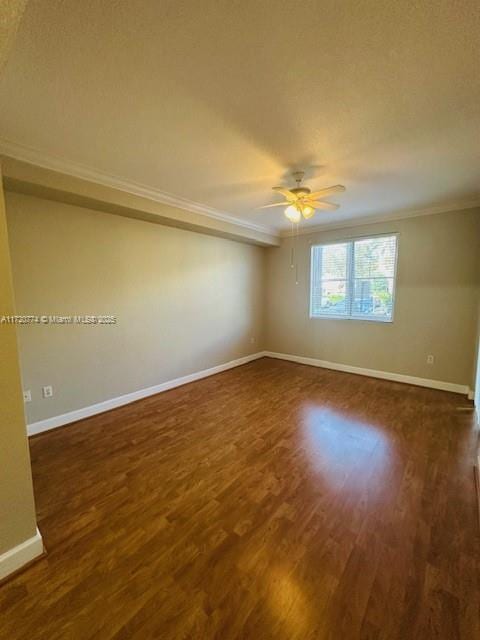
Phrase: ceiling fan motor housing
[301,191]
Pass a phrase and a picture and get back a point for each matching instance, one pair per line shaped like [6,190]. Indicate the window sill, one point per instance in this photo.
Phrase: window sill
[361,318]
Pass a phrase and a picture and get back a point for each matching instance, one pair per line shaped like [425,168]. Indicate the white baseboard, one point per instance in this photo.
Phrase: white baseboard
[471,394]
[373,373]
[22,554]
[85,412]
[113,403]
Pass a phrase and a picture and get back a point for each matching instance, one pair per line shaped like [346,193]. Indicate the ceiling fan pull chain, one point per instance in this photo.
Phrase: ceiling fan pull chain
[292,251]
[296,255]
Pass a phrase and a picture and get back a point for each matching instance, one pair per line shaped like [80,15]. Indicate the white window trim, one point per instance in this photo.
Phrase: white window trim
[350,279]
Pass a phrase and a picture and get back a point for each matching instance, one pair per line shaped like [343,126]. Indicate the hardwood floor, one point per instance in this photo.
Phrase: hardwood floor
[274,500]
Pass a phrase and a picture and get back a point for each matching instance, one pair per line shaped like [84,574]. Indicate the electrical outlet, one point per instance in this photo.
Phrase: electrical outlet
[252,340]
[27,396]
[47,391]
[430,359]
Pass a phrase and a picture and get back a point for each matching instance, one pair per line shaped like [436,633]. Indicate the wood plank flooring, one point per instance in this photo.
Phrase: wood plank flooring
[272,501]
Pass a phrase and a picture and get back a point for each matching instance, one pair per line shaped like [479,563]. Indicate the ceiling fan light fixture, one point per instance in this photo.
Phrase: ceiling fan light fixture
[301,202]
[307,211]
[293,213]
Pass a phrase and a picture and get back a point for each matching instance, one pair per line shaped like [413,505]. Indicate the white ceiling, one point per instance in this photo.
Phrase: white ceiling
[216,101]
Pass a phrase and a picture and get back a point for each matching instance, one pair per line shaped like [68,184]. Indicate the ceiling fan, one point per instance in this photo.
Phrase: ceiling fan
[300,201]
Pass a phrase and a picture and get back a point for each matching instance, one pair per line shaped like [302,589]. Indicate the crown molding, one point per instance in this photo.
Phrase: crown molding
[34,156]
[386,217]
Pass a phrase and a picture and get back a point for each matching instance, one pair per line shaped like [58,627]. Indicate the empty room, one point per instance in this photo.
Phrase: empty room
[240,320]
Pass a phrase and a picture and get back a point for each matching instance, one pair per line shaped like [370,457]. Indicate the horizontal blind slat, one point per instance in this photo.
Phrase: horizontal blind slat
[372,285]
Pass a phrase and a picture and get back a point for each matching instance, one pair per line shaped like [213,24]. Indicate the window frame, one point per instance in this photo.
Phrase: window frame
[350,280]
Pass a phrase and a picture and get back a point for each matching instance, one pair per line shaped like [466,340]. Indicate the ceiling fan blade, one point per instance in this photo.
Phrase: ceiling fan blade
[276,204]
[285,192]
[337,188]
[328,206]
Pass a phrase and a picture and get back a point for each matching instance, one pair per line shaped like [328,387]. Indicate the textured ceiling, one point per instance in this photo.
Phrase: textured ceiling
[215,101]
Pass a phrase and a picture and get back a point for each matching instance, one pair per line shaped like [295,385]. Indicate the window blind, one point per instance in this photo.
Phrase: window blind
[354,279]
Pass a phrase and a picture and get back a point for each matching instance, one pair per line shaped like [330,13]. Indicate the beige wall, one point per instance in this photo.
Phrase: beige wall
[476,367]
[184,302]
[435,310]
[187,301]
[12,12]
[17,509]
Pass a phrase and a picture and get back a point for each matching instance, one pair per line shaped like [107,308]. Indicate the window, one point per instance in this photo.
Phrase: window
[354,279]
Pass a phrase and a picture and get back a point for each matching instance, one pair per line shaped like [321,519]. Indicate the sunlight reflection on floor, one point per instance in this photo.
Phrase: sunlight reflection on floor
[343,450]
